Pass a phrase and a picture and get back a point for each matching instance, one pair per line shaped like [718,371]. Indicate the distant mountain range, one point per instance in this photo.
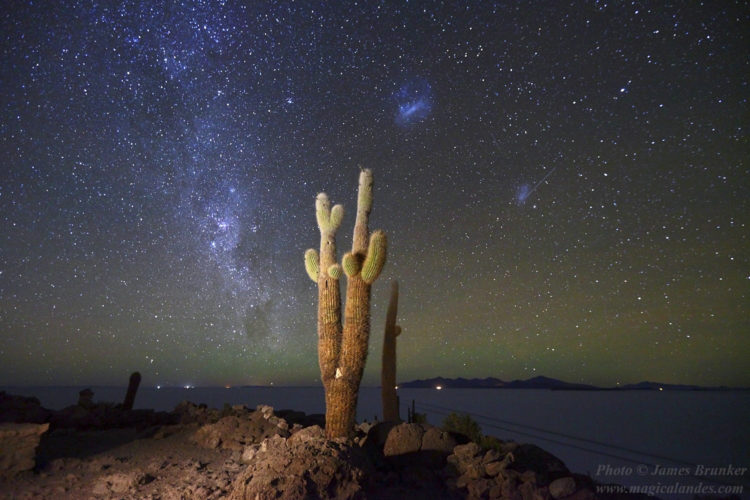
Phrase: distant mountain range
[542,382]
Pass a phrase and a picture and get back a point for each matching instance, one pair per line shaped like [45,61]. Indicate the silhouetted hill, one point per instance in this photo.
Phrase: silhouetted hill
[455,383]
[656,386]
[495,383]
[542,382]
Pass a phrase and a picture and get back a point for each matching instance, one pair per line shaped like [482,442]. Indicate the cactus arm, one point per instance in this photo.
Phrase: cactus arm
[329,219]
[334,271]
[364,205]
[375,259]
[337,215]
[322,210]
[312,264]
[351,264]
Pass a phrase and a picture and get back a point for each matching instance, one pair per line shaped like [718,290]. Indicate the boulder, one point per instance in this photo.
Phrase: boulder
[402,439]
[377,436]
[313,434]
[435,439]
[305,465]
[18,443]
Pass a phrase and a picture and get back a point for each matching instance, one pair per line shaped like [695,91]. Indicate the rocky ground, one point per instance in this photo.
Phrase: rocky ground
[103,451]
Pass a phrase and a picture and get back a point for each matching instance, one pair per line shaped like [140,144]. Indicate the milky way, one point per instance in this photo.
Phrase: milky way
[160,166]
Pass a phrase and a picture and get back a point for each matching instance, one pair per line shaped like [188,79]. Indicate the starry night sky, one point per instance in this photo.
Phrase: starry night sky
[564,187]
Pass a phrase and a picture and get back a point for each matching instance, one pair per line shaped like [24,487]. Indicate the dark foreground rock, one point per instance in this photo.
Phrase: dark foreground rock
[21,409]
[195,452]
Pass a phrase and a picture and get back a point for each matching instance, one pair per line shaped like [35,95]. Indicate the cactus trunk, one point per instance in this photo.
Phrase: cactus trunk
[388,371]
[342,351]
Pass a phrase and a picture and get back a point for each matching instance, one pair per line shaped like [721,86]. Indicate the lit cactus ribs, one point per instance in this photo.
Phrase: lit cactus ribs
[342,350]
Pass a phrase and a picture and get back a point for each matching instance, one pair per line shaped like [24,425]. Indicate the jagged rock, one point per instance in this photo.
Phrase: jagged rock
[265,410]
[365,427]
[312,434]
[403,439]
[509,488]
[242,463]
[187,413]
[562,487]
[304,466]
[491,456]
[236,433]
[465,452]
[470,472]
[492,474]
[496,491]
[495,468]
[21,409]
[479,488]
[435,439]
[18,443]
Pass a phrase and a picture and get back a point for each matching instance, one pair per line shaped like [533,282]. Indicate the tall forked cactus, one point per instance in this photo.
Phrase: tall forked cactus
[342,351]
[388,370]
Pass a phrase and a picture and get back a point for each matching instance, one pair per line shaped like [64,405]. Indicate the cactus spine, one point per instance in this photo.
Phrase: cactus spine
[342,351]
[388,373]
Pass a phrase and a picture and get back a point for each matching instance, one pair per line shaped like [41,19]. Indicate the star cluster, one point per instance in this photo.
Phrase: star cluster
[564,187]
